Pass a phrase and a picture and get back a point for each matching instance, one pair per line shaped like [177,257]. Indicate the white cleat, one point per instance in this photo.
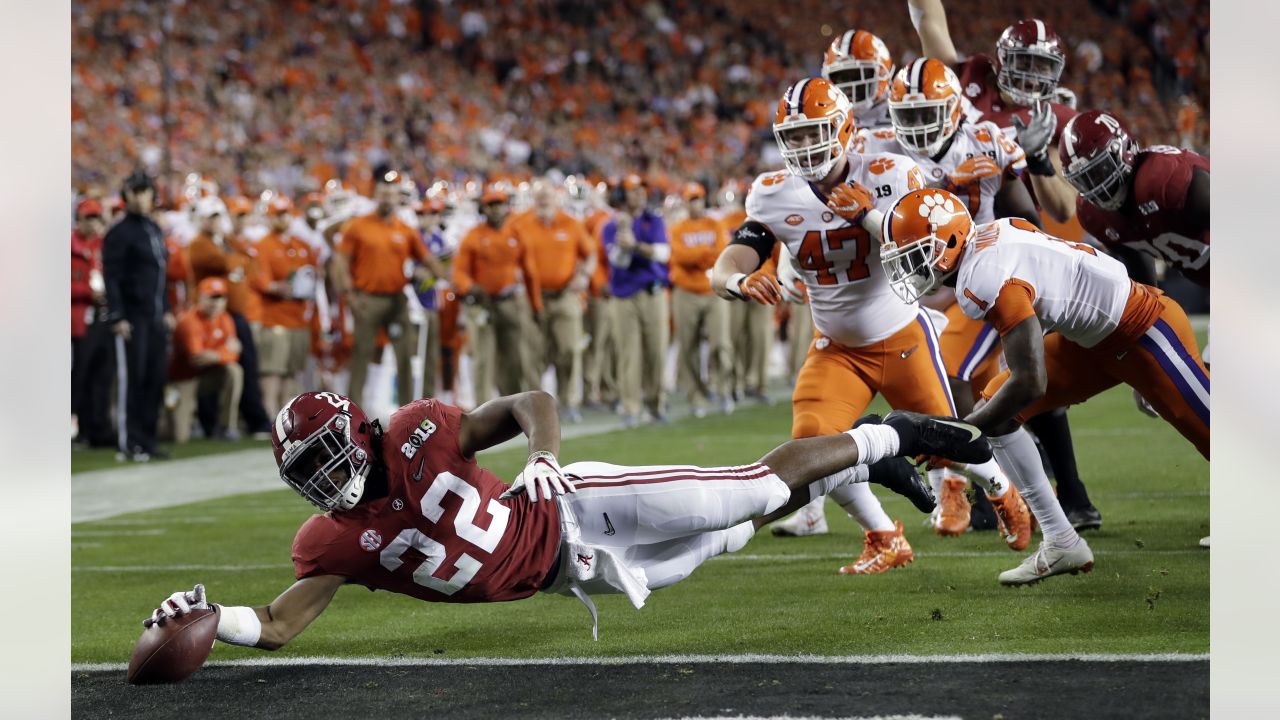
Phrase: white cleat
[808,520]
[1204,541]
[1049,560]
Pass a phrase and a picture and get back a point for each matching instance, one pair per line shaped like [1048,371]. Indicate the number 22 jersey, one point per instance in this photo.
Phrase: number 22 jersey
[441,534]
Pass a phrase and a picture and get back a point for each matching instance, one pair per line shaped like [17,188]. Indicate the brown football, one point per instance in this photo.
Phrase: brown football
[171,652]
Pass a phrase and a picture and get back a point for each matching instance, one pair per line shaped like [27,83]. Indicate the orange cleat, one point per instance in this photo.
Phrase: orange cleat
[953,508]
[1015,518]
[883,550]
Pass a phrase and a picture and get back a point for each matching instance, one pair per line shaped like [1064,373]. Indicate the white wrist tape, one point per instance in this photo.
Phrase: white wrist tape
[731,285]
[872,221]
[238,625]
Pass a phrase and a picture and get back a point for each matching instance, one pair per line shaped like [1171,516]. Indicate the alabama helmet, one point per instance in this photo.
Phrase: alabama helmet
[323,445]
[1097,155]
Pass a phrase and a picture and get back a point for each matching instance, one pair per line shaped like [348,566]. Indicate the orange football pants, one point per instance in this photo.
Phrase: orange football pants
[836,383]
[970,349]
[1163,364]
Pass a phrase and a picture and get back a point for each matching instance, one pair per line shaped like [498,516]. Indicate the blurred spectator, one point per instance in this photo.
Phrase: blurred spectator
[749,323]
[287,277]
[430,228]
[91,363]
[220,251]
[600,364]
[564,258]
[371,259]
[205,362]
[134,260]
[493,271]
[636,246]
[696,242]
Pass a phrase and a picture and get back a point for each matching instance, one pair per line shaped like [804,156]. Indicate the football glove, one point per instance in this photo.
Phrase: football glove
[851,201]
[1034,137]
[177,604]
[760,287]
[541,475]
[971,171]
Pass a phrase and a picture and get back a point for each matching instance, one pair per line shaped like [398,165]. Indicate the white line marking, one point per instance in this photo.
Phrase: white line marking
[324,661]
[912,716]
[168,520]
[117,533]
[181,568]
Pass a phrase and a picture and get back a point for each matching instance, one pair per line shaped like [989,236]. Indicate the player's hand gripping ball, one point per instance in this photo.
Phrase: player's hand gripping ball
[177,640]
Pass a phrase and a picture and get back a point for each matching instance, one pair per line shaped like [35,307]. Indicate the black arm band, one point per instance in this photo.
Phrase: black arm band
[757,236]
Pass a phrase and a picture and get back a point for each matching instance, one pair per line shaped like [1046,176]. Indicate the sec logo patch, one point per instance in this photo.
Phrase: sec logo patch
[370,540]
[794,219]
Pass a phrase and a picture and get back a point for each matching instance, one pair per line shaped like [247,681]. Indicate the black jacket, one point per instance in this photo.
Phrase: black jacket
[134,260]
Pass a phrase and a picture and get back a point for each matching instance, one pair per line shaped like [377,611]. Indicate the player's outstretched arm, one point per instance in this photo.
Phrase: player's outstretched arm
[267,628]
[930,21]
[533,413]
[1013,200]
[1024,353]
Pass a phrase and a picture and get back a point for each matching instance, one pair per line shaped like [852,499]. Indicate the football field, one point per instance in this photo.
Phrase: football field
[1147,596]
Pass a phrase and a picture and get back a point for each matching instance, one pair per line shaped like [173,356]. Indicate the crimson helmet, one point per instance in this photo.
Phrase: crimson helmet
[323,444]
[1097,155]
[1031,61]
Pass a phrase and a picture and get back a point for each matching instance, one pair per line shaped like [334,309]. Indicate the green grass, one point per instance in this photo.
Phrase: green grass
[89,459]
[1148,593]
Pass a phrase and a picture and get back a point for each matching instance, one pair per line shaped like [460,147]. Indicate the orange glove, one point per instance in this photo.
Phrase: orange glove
[851,201]
[761,287]
[972,170]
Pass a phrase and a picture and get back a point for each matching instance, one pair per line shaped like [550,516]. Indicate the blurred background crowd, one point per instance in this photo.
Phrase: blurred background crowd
[398,198]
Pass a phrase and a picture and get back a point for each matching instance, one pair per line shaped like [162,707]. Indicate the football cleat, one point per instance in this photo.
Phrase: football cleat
[1084,518]
[1014,517]
[1049,560]
[808,520]
[901,476]
[1204,541]
[883,550]
[954,518]
[920,434]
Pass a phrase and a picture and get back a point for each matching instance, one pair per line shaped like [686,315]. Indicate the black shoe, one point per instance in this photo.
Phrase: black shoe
[869,419]
[900,476]
[1085,517]
[981,515]
[949,438]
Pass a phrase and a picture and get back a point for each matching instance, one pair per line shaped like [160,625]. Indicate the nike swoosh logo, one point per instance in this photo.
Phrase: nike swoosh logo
[974,433]
[608,525]
[418,474]
[907,353]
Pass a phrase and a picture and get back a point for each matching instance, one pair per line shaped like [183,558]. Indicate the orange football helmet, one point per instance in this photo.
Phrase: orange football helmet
[859,64]
[925,105]
[923,236]
[813,126]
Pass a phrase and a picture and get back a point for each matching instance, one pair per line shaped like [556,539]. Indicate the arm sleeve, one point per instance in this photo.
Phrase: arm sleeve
[187,337]
[206,259]
[757,236]
[661,244]
[115,263]
[463,260]
[532,285]
[617,257]
[1012,305]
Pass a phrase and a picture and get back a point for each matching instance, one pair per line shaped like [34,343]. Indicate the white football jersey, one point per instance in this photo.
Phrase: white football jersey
[875,118]
[1079,292]
[982,138]
[849,292]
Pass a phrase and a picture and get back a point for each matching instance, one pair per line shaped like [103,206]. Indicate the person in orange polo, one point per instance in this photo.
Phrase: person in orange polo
[205,361]
[370,264]
[696,242]
[287,278]
[493,271]
[565,258]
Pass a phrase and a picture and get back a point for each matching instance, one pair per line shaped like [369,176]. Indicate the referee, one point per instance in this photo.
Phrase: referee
[134,258]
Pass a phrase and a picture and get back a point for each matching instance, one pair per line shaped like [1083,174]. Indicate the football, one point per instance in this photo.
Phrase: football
[171,652]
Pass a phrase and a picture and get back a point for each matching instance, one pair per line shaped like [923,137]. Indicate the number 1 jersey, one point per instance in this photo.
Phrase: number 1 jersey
[441,534]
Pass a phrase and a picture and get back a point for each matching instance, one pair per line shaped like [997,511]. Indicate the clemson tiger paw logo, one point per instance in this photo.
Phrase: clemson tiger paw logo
[937,207]
[879,166]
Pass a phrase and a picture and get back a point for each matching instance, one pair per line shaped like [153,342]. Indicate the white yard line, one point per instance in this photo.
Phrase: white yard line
[276,661]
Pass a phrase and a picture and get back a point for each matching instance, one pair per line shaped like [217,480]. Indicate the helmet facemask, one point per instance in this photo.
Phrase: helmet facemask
[859,80]
[1102,180]
[923,126]
[911,268]
[1029,75]
[810,148]
[327,468]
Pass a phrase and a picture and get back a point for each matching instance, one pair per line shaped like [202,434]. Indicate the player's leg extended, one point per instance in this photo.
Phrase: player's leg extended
[1165,367]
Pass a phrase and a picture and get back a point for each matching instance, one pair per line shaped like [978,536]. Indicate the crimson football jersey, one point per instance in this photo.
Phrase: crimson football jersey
[441,534]
[1154,217]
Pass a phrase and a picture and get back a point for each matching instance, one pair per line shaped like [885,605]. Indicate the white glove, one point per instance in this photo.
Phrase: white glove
[793,287]
[178,604]
[1144,407]
[543,474]
[1035,136]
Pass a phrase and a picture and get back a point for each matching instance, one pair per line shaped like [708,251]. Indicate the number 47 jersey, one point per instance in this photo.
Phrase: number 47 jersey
[441,534]
[849,292]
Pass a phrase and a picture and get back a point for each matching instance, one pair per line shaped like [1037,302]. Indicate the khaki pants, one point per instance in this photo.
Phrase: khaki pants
[643,334]
[226,380]
[560,341]
[749,325]
[495,328]
[431,358]
[368,313]
[799,335]
[600,365]
[698,316]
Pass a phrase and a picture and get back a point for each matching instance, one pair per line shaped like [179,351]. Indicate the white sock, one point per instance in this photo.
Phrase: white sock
[823,486]
[988,476]
[875,442]
[1017,454]
[862,505]
[936,476]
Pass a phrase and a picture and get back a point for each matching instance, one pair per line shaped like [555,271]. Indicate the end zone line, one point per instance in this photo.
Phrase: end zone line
[676,660]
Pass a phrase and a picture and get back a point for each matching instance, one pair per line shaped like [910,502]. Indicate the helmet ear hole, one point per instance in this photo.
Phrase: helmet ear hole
[951,242]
